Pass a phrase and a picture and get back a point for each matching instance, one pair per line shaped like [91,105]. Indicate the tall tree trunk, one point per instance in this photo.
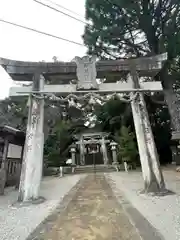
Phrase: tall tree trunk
[173,102]
[172,99]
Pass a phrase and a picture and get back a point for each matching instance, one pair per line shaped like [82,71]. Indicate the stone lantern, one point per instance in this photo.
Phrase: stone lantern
[73,154]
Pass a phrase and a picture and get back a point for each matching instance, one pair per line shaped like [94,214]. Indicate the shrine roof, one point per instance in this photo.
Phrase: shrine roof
[10,131]
[63,72]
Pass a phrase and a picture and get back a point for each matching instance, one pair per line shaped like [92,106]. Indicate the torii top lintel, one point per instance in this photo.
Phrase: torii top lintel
[66,71]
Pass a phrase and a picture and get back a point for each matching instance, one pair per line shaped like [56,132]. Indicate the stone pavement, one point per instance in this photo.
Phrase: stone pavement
[101,206]
[17,222]
[161,212]
[92,214]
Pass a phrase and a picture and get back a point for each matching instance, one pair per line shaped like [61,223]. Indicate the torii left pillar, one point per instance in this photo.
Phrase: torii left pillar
[31,172]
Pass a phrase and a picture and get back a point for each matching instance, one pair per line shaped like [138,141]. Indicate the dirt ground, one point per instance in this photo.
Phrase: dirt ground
[92,214]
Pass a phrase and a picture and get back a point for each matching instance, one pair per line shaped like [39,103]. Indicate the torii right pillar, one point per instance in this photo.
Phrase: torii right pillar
[152,174]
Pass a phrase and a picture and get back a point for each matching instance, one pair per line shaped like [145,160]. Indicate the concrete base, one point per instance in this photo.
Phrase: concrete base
[37,201]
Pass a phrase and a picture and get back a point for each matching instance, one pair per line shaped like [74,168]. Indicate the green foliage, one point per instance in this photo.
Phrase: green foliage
[160,122]
[127,149]
[113,114]
[161,126]
[57,142]
[140,27]
[56,148]
[14,113]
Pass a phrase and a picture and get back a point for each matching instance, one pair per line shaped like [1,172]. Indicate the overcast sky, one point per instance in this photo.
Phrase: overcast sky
[20,44]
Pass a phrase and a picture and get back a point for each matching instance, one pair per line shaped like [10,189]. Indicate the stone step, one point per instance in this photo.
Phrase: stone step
[91,169]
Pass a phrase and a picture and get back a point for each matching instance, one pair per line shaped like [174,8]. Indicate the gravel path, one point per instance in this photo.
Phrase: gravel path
[17,222]
[162,212]
[92,214]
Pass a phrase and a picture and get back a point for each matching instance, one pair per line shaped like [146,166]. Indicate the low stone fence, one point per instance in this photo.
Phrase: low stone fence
[49,171]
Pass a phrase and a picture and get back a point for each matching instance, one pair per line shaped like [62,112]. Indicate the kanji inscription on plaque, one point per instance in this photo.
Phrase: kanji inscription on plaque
[86,73]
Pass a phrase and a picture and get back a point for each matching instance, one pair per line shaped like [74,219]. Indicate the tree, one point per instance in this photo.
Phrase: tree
[161,127]
[127,149]
[113,114]
[142,27]
[57,142]
[56,148]
[14,113]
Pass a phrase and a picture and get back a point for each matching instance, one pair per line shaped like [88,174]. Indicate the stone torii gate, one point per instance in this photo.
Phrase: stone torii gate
[84,72]
[102,142]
